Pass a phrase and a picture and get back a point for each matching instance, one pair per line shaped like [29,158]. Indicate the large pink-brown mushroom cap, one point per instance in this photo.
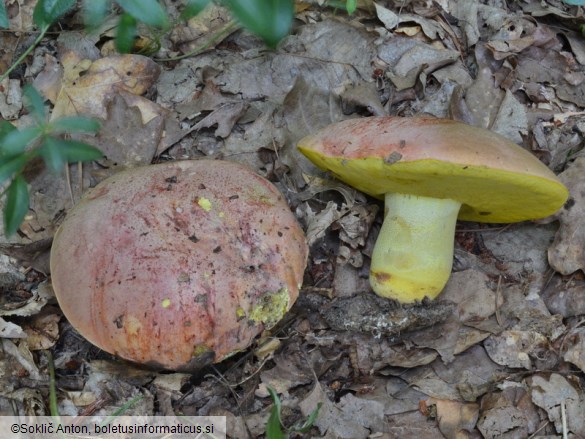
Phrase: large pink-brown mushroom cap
[180,264]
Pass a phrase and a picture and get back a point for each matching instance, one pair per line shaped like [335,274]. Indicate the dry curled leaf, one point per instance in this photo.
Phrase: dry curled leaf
[575,348]
[567,253]
[555,391]
[455,418]
[351,417]
[86,85]
[508,414]
[516,348]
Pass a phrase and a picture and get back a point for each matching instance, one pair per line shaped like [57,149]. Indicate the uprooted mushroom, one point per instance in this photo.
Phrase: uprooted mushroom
[431,172]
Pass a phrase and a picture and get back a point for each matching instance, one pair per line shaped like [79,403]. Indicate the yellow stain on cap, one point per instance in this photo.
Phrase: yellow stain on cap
[166,303]
[204,203]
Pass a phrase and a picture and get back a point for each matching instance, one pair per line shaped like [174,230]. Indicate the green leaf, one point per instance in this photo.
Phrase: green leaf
[126,33]
[95,12]
[11,166]
[46,12]
[16,141]
[75,124]
[193,7]
[274,424]
[273,427]
[308,424]
[35,103]
[3,16]
[53,156]
[56,152]
[75,151]
[5,127]
[147,11]
[351,6]
[16,206]
[269,19]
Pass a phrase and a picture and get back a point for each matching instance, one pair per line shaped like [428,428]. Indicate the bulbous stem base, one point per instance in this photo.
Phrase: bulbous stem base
[413,254]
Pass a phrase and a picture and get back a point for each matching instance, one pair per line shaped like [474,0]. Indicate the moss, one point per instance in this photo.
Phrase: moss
[271,307]
[201,349]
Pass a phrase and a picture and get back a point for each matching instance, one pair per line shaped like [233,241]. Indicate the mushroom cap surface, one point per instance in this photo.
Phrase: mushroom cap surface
[178,265]
[494,179]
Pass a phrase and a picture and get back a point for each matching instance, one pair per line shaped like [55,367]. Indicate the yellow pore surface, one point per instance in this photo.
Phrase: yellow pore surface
[487,194]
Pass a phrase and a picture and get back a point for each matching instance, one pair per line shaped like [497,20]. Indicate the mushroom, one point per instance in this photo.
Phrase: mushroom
[429,173]
[178,265]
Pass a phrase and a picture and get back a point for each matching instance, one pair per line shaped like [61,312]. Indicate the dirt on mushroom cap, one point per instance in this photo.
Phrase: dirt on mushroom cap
[495,179]
[169,264]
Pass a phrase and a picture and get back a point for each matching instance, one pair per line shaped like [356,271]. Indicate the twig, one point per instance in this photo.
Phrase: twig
[564,420]
[226,30]
[25,54]
[498,293]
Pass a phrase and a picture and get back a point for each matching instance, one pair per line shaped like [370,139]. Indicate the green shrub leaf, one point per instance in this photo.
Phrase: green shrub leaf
[56,152]
[5,128]
[75,151]
[16,206]
[95,11]
[52,155]
[269,19]
[35,103]
[3,16]
[15,141]
[46,12]
[147,11]
[126,33]
[193,7]
[351,6]
[11,166]
[75,124]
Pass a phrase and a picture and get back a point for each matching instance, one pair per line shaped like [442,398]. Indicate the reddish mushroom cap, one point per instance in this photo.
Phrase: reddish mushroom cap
[180,264]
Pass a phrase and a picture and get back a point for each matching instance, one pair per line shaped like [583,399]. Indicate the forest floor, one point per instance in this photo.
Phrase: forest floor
[500,353]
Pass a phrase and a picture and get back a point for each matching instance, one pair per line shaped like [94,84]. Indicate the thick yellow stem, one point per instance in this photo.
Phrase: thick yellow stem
[413,254]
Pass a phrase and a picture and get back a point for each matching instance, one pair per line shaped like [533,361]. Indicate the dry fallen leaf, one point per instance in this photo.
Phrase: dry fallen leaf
[43,330]
[204,31]
[468,289]
[407,58]
[516,348]
[455,418]
[35,300]
[10,330]
[319,223]
[291,370]
[86,85]
[574,343]
[225,117]
[10,98]
[508,414]
[351,417]
[567,253]
[124,139]
[553,392]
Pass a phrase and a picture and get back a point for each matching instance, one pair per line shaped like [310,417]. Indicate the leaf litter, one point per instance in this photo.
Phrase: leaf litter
[501,353]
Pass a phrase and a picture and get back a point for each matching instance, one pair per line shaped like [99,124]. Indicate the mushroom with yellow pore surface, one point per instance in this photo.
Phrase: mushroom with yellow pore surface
[431,172]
